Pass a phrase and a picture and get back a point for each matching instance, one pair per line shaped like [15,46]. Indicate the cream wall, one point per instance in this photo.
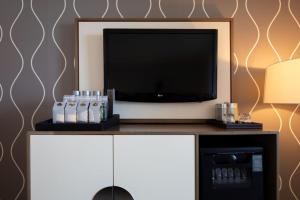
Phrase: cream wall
[91,70]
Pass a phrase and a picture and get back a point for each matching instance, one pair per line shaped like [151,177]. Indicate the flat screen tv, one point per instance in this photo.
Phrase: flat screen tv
[161,65]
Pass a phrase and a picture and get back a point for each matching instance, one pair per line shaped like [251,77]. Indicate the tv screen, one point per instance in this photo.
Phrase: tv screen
[161,65]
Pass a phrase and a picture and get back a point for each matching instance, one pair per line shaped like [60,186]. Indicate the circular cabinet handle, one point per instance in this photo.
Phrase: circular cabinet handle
[113,193]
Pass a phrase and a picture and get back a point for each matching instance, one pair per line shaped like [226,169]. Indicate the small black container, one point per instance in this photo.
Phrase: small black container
[236,125]
[48,125]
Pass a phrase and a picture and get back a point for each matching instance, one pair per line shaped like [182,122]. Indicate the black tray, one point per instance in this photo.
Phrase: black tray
[48,125]
[236,125]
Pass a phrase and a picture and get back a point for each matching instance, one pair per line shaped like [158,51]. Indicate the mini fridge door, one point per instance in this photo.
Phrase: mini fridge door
[231,173]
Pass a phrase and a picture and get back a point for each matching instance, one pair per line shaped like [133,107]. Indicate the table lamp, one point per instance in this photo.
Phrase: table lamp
[282,83]
[282,86]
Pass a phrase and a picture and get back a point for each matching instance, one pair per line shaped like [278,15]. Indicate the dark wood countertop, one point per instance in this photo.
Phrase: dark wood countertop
[160,129]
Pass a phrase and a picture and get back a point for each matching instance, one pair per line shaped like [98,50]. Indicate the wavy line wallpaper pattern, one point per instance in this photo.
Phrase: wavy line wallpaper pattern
[20,171]
[1,96]
[36,67]
[32,67]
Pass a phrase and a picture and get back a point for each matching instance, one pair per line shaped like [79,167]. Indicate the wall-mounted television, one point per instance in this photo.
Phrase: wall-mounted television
[161,65]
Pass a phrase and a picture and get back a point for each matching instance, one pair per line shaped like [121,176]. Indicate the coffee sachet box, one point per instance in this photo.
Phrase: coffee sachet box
[82,112]
[70,112]
[58,112]
[94,112]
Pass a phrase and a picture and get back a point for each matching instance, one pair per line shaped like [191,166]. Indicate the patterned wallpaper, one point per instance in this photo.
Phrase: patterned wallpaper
[36,67]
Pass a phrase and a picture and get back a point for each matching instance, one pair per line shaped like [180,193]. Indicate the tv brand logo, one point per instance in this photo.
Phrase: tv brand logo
[160,95]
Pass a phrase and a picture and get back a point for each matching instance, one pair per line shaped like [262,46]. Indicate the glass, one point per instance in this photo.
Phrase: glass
[245,118]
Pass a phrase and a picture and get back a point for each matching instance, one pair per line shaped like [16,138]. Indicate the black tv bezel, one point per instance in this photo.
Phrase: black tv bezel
[154,97]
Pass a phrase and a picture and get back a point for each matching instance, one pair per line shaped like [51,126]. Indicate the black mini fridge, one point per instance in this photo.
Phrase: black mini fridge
[231,173]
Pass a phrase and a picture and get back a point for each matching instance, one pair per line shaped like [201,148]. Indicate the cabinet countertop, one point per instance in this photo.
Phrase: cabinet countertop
[161,129]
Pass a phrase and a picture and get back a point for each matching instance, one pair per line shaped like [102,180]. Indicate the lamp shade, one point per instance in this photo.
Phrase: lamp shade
[282,82]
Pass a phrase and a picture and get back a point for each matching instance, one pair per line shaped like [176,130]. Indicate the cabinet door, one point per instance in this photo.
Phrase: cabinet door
[70,167]
[160,167]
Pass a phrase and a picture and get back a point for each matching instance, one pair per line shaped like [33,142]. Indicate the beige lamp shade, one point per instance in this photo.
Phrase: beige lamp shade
[282,83]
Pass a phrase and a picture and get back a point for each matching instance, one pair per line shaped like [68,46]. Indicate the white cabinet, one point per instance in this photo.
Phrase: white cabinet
[76,167]
[69,167]
[160,167]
